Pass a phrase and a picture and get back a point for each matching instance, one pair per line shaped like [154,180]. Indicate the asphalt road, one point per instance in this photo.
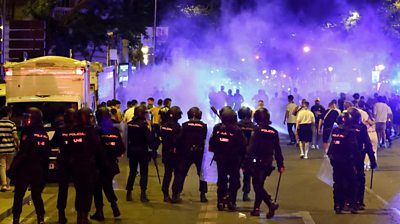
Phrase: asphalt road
[304,197]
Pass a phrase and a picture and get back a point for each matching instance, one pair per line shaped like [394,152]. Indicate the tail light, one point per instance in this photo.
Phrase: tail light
[9,72]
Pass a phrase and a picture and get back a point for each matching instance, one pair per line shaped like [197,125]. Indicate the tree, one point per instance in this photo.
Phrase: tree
[84,29]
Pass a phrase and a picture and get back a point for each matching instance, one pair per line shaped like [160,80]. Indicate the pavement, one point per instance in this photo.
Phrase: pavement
[305,196]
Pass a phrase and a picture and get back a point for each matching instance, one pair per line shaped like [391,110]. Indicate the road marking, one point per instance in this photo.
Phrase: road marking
[306,216]
[377,196]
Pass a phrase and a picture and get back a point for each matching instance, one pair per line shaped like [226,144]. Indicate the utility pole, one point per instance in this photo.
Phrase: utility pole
[154,32]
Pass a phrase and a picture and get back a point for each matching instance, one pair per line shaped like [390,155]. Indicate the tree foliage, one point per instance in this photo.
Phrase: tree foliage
[84,29]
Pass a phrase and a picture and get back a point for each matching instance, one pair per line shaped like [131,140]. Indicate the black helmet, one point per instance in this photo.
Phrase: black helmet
[262,116]
[102,114]
[356,116]
[70,117]
[228,116]
[194,112]
[85,116]
[175,113]
[140,112]
[244,112]
[33,117]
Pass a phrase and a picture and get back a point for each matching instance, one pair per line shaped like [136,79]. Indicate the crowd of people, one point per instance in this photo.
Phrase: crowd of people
[91,144]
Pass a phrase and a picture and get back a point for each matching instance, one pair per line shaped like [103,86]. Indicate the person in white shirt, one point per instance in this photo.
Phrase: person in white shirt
[290,119]
[381,114]
[304,121]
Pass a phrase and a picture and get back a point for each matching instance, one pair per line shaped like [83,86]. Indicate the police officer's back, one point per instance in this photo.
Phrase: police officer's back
[344,154]
[191,149]
[30,166]
[140,140]
[229,145]
[247,126]
[263,148]
[170,131]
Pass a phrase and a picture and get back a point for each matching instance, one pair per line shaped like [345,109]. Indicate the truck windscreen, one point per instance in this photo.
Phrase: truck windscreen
[53,112]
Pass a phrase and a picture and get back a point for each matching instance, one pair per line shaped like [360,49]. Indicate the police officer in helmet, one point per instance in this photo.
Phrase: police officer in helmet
[263,148]
[191,141]
[30,166]
[344,154]
[64,160]
[140,140]
[247,126]
[89,158]
[169,134]
[365,148]
[229,146]
[114,148]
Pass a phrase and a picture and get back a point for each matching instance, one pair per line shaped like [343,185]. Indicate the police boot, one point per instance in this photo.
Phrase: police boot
[220,206]
[255,212]
[129,196]
[98,215]
[203,197]
[246,197]
[232,206]
[272,208]
[62,219]
[176,198]
[143,197]
[82,218]
[16,219]
[167,198]
[40,219]
[115,209]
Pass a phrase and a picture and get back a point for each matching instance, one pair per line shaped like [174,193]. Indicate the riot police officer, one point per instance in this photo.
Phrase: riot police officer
[169,135]
[229,146]
[263,147]
[365,148]
[191,151]
[64,160]
[114,147]
[140,140]
[89,157]
[30,166]
[247,126]
[344,154]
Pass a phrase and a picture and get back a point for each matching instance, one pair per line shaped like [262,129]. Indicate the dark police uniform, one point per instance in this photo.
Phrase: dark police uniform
[65,167]
[140,139]
[247,127]
[365,148]
[344,155]
[229,145]
[264,146]
[114,148]
[30,168]
[169,135]
[191,151]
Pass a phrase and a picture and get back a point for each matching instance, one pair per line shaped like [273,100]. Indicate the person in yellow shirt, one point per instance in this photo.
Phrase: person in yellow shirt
[155,118]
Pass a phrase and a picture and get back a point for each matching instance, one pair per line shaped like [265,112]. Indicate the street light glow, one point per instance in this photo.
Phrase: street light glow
[306,49]
[330,68]
[359,79]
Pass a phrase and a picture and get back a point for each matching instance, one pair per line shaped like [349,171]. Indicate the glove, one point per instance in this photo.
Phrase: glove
[374,165]
[281,169]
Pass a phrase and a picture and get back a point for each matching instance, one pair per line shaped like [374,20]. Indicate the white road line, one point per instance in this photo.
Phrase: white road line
[377,196]
[306,216]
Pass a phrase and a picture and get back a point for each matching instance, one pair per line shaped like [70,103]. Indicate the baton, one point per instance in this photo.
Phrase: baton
[158,172]
[215,112]
[277,187]
[372,178]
